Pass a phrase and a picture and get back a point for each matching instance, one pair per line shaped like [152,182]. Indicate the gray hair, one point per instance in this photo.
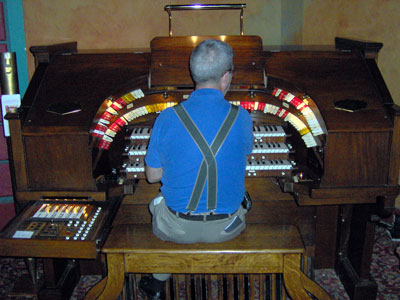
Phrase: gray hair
[210,60]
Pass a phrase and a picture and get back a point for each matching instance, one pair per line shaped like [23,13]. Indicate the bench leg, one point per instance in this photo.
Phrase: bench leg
[109,287]
[96,290]
[297,283]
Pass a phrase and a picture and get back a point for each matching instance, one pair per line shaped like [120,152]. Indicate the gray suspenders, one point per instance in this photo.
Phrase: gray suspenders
[208,167]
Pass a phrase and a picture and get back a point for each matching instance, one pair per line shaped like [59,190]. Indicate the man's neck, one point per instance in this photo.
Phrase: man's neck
[208,86]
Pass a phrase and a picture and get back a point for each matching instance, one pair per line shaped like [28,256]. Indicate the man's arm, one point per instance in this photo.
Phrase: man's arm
[153,174]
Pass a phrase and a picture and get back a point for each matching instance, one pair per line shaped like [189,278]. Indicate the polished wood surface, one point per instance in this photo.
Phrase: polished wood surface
[331,76]
[259,249]
[139,238]
[170,59]
[48,249]
[49,154]
[354,140]
[87,79]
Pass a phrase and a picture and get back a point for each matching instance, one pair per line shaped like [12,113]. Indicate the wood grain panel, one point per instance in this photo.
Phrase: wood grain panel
[86,79]
[357,159]
[49,248]
[59,162]
[170,59]
[218,262]
[328,77]
[257,238]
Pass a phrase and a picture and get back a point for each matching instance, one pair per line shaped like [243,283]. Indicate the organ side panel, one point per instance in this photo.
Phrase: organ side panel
[360,166]
[61,161]
[52,142]
[354,138]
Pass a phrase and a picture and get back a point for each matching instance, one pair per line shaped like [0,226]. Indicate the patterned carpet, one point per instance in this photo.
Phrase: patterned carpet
[384,269]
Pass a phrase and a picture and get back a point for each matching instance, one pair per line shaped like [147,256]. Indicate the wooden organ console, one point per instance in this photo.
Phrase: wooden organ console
[328,171]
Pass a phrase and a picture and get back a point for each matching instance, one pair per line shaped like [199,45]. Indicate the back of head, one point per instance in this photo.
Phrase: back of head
[210,60]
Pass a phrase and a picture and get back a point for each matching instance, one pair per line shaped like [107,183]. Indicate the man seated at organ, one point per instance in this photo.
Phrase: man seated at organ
[198,151]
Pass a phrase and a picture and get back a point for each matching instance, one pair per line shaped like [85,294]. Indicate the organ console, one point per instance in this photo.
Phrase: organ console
[328,171]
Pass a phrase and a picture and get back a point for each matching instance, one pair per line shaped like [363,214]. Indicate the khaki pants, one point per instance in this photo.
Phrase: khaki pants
[169,227]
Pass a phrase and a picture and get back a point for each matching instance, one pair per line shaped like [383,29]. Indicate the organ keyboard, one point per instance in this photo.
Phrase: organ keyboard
[267,131]
[270,148]
[269,168]
[141,133]
[269,157]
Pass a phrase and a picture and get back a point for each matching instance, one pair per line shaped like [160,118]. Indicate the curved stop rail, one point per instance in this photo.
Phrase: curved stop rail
[170,8]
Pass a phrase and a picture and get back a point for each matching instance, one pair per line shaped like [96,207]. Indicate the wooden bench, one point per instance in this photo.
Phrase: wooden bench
[260,249]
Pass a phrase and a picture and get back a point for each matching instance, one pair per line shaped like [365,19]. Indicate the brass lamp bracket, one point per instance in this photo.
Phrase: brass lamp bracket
[170,8]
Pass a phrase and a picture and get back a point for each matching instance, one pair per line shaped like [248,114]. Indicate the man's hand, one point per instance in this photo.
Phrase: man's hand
[153,174]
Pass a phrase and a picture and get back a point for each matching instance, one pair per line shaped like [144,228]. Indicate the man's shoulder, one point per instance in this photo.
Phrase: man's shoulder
[166,113]
[164,119]
[244,113]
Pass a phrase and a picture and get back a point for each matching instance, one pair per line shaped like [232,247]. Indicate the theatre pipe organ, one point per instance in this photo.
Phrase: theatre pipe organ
[85,121]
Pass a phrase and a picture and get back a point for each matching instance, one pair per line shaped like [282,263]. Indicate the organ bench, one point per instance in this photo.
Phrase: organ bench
[260,249]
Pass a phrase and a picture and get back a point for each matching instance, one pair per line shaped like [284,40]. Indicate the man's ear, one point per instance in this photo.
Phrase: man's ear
[227,75]
[226,81]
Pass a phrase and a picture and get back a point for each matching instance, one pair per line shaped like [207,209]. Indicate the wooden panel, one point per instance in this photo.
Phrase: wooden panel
[328,77]
[59,162]
[257,238]
[50,248]
[264,189]
[26,196]
[326,228]
[272,206]
[18,154]
[170,59]
[347,195]
[134,208]
[87,79]
[219,262]
[356,192]
[395,151]
[359,253]
[357,159]
[133,214]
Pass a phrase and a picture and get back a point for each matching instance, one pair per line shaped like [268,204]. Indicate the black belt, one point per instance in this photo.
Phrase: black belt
[210,217]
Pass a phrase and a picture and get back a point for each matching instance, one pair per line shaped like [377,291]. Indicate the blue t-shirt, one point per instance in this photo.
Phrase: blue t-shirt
[172,148]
